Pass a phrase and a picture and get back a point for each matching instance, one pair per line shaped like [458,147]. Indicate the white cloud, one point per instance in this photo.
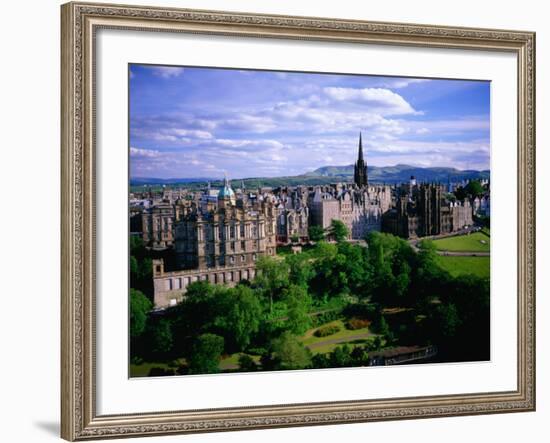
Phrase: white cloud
[248,123]
[178,136]
[236,143]
[380,100]
[190,133]
[400,83]
[167,72]
[144,153]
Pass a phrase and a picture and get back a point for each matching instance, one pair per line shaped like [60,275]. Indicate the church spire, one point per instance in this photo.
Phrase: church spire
[360,169]
[360,148]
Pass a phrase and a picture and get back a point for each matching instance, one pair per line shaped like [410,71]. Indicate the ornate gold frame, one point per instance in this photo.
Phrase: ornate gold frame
[79,420]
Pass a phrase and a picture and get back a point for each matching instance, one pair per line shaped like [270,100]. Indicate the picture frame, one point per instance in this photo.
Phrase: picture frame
[79,395]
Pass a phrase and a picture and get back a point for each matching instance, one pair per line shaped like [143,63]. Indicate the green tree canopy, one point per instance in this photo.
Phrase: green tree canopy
[339,230]
[272,277]
[392,260]
[140,306]
[474,188]
[240,317]
[316,233]
[300,269]
[289,353]
[246,363]
[298,302]
[205,354]
[160,335]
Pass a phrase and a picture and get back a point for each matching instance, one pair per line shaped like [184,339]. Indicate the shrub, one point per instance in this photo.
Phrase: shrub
[326,331]
[246,363]
[160,372]
[357,323]
[326,317]
[257,351]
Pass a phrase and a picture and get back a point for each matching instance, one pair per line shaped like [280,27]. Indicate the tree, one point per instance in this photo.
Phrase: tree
[271,278]
[205,354]
[341,357]
[380,326]
[460,193]
[339,230]
[134,269]
[392,260]
[246,363]
[139,308]
[447,320]
[474,188]
[198,312]
[300,269]
[161,337]
[316,233]
[289,353]
[298,302]
[240,317]
[353,262]
[137,248]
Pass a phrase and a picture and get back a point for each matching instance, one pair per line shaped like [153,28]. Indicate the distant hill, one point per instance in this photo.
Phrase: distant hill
[402,173]
[326,175]
[139,181]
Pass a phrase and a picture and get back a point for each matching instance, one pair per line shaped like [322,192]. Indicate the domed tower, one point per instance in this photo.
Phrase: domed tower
[226,196]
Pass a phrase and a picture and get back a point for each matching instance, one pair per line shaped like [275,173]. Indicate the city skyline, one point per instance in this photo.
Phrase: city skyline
[184,122]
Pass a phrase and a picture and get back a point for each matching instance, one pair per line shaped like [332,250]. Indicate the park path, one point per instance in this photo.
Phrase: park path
[413,242]
[335,341]
[464,253]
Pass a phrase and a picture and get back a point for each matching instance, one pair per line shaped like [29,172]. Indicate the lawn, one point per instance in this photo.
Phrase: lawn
[232,361]
[479,266]
[320,345]
[476,242]
[142,370]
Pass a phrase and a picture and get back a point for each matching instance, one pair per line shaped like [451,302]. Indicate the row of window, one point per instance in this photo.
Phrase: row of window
[174,284]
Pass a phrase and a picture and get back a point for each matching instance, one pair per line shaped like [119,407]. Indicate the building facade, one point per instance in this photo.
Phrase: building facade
[220,242]
[424,210]
[359,205]
[157,224]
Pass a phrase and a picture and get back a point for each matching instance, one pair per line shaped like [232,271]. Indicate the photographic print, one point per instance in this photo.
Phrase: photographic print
[304,221]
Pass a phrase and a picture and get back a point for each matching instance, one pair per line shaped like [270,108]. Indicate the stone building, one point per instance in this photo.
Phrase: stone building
[359,205]
[292,213]
[219,242]
[292,223]
[482,205]
[423,210]
[157,225]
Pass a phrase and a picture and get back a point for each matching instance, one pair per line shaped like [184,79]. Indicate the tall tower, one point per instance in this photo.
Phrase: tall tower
[360,170]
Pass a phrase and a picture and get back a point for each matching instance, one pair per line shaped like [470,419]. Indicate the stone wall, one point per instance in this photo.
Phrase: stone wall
[170,287]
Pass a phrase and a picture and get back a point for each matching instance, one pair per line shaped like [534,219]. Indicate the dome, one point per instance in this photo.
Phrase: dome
[226,192]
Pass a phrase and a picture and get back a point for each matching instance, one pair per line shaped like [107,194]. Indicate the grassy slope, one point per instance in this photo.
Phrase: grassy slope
[479,266]
[469,243]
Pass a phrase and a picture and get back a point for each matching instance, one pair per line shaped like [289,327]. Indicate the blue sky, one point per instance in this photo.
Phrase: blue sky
[201,122]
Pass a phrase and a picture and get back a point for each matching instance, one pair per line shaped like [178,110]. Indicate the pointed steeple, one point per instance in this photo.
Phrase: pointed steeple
[360,147]
[360,170]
